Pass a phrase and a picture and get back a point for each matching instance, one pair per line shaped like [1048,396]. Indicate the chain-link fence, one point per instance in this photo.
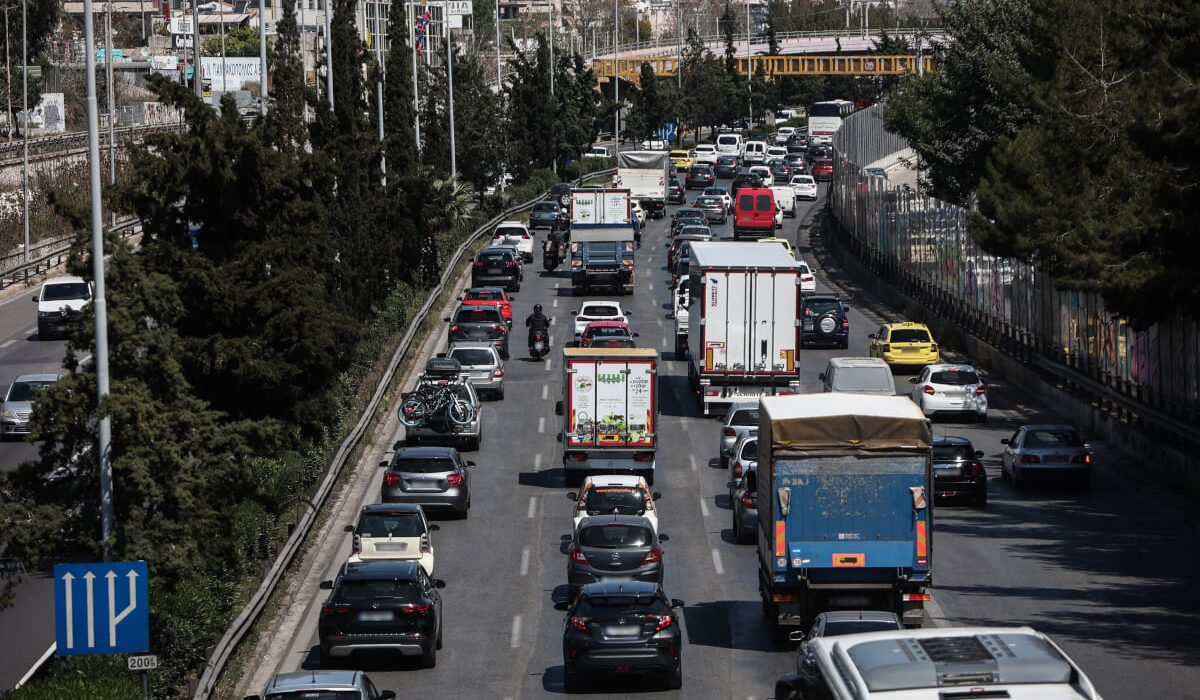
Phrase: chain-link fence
[922,246]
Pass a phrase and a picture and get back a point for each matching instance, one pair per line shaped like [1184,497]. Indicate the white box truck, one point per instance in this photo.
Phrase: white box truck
[743,327]
[646,175]
[610,412]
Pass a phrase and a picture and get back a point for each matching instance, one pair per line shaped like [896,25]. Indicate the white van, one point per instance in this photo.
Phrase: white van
[858,375]
[730,144]
[61,303]
[784,114]
[755,153]
[785,199]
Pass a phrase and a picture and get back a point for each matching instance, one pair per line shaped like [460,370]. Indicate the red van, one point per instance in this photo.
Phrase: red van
[753,212]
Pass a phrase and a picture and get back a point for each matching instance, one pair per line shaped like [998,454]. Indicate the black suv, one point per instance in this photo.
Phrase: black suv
[726,167]
[561,193]
[675,193]
[745,179]
[626,627]
[497,267]
[958,471]
[823,319]
[381,606]
[480,322]
[700,175]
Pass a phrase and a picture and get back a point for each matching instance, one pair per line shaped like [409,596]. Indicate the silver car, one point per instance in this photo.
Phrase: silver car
[946,388]
[18,403]
[482,362]
[745,505]
[744,453]
[1036,451]
[613,547]
[740,417]
[323,683]
[435,478]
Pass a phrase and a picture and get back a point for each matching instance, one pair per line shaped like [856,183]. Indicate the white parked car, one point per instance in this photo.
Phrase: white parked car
[765,173]
[597,311]
[804,186]
[392,531]
[615,494]
[705,153]
[946,388]
[516,234]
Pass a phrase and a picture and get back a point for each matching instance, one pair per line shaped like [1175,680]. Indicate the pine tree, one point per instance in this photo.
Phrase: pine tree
[531,114]
[399,138]
[285,121]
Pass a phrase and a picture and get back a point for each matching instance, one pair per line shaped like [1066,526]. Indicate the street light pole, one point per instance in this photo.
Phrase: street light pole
[196,49]
[112,116]
[616,74]
[412,45]
[450,84]
[749,72]
[262,57]
[550,31]
[25,127]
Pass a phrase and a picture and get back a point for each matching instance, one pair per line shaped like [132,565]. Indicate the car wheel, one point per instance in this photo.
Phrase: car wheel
[439,638]
[499,394]
[1004,476]
[675,677]
[429,657]
[570,681]
[844,344]
[981,499]
[473,443]
[1018,484]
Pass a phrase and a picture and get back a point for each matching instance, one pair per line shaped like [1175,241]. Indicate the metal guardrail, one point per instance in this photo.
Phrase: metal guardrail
[48,255]
[245,620]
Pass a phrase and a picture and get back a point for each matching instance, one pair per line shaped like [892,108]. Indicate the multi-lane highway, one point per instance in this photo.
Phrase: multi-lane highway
[1109,574]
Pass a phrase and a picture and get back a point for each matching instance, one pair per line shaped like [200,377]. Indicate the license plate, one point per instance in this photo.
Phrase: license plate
[910,349]
[376,616]
[391,547]
[494,270]
[622,630]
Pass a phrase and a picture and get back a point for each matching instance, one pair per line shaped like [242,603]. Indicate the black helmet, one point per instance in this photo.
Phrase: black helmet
[537,308]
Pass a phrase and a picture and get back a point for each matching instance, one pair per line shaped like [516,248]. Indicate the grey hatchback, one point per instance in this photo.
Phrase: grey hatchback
[480,322]
[18,403]
[614,548]
[319,684]
[434,478]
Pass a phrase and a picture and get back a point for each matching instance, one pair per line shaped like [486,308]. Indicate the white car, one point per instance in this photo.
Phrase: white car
[773,152]
[615,494]
[392,531]
[723,193]
[516,234]
[946,388]
[637,210]
[804,186]
[765,173]
[61,303]
[808,282]
[705,153]
[783,133]
[597,311]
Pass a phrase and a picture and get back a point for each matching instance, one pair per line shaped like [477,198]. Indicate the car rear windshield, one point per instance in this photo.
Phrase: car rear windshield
[955,378]
[473,356]
[909,335]
[620,500]
[375,589]
[710,202]
[763,202]
[863,379]
[605,606]
[486,295]
[496,258]
[615,535]
[545,206]
[508,231]
[726,160]
[803,180]
[65,291]
[422,465]
[391,525]
[476,315]
[316,695]
[608,332]
[621,342]
[836,629]
[750,451]
[821,306]
[1053,438]
[601,311]
[746,416]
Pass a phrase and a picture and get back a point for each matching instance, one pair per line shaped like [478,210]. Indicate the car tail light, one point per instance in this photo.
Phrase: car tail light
[525,236]
[425,548]
[1030,459]
[356,545]
[916,597]
[807,278]
[335,609]
[416,608]
[500,327]
[455,327]
[729,432]
[578,456]
[929,390]
[662,622]
[712,392]
[783,598]
[478,264]
[980,390]
[643,457]
[454,479]
[579,557]
[498,373]
[933,347]
[976,469]
[1085,458]
[845,324]
[580,623]
[886,347]
[737,469]
[391,479]
[748,500]
[510,263]
[652,557]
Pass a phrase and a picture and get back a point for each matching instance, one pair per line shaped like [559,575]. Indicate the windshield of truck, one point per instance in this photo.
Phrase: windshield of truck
[614,535]
[615,500]
[863,378]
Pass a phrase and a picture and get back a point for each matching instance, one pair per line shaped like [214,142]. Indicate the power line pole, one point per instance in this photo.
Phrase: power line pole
[450,89]
[112,110]
[25,126]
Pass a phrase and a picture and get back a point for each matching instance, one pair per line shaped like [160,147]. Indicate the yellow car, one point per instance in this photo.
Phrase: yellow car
[781,241]
[682,160]
[905,345]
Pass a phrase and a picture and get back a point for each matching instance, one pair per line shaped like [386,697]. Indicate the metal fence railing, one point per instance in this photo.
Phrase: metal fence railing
[47,255]
[243,623]
[922,246]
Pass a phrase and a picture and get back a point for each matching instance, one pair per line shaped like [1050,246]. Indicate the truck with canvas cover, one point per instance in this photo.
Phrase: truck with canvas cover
[646,175]
[844,521]
[743,337]
[610,412]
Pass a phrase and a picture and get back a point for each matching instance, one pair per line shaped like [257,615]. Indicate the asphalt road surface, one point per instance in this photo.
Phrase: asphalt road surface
[1109,574]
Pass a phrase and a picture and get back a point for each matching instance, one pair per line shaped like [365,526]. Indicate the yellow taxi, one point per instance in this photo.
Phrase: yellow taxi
[682,160]
[905,344]
[787,245]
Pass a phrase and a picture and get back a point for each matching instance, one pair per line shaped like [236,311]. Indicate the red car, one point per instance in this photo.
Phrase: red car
[490,296]
[606,334]
[822,169]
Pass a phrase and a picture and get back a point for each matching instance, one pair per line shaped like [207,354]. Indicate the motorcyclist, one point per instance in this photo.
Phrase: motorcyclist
[637,230]
[537,321]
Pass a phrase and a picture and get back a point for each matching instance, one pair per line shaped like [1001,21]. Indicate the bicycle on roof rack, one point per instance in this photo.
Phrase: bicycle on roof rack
[434,401]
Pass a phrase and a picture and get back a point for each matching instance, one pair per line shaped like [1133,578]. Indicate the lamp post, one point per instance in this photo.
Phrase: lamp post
[328,57]
[262,57]
[749,72]
[412,44]
[616,74]
[25,128]
[450,89]
[196,49]
[550,31]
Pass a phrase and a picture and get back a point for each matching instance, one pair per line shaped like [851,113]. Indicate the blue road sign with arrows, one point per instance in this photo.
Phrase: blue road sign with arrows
[101,608]
[666,132]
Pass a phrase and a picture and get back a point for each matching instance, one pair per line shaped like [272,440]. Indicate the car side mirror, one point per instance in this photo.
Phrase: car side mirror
[35,300]
[656,495]
[447,319]
[439,583]
[397,444]
[572,496]
[441,354]
[731,483]
[796,636]
[1004,441]
[821,376]
[635,335]
[383,463]
[387,695]
[327,585]
[469,464]
[663,537]
[562,605]
[434,527]
[348,528]
[845,308]
[912,380]
[871,336]
[574,313]
[252,697]
[566,538]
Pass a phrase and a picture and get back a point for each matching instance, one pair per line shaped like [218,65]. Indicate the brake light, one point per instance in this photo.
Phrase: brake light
[643,457]
[525,236]
[500,327]
[580,623]
[478,264]
[498,373]
[455,327]
[886,347]
[335,609]
[976,469]
[663,622]
[916,597]
[845,324]
[391,479]
[578,456]
[578,556]
[748,500]
[729,432]
[980,390]
[712,392]
[933,347]
[783,598]
[455,479]
[1085,458]
[737,469]
[1030,459]
[510,263]
[928,390]
[356,545]
[653,556]
[416,608]
[425,548]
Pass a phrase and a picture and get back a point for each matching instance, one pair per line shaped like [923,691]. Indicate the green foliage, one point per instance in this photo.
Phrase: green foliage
[531,111]
[239,41]
[480,132]
[286,128]
[93,677]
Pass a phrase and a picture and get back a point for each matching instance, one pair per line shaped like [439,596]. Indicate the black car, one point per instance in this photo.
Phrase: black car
[480,322]
[745,179]
[434,478]
[699,175]
[607,546]
[381,606]
[958,471]
[675,193]
[497,267]
[627,627]
[654,208]
[726,167]
[819,150]
[781,172]
[823,319]
[685,212]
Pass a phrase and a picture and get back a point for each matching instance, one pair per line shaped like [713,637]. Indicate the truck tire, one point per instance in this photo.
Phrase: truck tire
[674,679]
[679,353]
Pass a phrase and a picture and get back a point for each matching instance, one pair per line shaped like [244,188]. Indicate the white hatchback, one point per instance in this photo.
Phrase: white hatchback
[516,234]
[764,172]
[705,153]
[597,311]
[804,186]
[615,494]
[946,388]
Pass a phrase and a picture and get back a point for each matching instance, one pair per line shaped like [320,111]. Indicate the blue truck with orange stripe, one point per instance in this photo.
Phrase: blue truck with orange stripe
[844,520]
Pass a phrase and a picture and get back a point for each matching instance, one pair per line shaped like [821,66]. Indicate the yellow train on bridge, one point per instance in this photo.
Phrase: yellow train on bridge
[630,68]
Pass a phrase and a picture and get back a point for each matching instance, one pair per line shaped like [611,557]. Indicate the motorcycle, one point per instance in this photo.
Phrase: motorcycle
[539,344]
[550,256]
